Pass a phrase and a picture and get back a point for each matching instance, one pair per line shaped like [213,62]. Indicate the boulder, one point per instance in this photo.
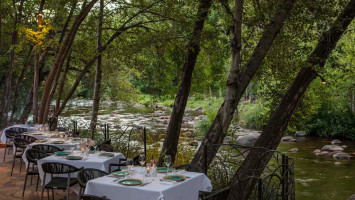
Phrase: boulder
[337,163]
[341,156]
[332,148]
[352,197]
[317,151]
[344,146]
[294,150]
[300,134]
[287,138]
[248,140]
[293,140]
[198,109]
[336,142]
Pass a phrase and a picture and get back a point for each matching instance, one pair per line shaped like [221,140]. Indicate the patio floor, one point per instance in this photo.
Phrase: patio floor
[11,187]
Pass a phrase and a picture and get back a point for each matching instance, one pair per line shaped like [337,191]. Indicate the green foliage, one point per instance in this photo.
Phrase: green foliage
[333,120]
[254,116]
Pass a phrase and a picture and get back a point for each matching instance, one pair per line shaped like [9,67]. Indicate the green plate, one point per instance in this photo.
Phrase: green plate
[76,140]
[131,182]
[174,178]
[74,157]
[58,142]
[163,169]
[92,151]
[107,154]
[121,173]
[61,153]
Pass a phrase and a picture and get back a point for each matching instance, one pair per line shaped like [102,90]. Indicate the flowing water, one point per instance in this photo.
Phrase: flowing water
[317,177]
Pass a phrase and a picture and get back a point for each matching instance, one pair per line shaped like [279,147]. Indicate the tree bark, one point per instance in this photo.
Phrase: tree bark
[28,108]
[36,68]
[58,63]
[271,135]
[62,82]
[20,78]
[238,80]
[7,95]
[98,75]
[192,50]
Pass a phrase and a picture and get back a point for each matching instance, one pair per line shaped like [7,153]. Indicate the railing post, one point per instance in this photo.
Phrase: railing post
[260,189]
[205,158]
[145,142]
[284,177]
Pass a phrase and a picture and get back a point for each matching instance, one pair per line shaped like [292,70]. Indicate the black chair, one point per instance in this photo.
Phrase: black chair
[218,195]
[91,197]
[49,149]
[30,139]
[106,147]
[20,146]
[10,134]
[33,155]
[62,183]
[122,163]
[86,175]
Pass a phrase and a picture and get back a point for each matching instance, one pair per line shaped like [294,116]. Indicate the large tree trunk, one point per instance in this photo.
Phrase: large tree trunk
[28,107]
[271,135]
[8,87]
[238,80]
[192,50]
[98,75]
[19,79]
[58,63]
[36,68]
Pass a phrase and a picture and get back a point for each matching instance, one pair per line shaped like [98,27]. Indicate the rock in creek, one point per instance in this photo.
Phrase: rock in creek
[300,134]
[294,150]
[287,138]
[336,142]
[332,148]
[248,140]
[341,156]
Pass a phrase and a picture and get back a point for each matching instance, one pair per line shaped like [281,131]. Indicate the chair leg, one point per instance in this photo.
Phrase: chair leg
[52,194]
[80,193]
[5,150]
[48,194]
[37,182]
[20,164]
[13,164]
[24,185]
[42,192]
[33,168]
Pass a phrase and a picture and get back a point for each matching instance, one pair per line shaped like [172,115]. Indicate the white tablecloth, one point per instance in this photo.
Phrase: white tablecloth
[156,190]
[94,161]
[3,136]
[65,146]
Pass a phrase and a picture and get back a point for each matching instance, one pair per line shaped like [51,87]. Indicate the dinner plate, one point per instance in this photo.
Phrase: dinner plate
[120,173]
[74,157]
[36,134]
[61,153]
[174,178]
[163,170]
[107,154]
[131,182]
[58,142]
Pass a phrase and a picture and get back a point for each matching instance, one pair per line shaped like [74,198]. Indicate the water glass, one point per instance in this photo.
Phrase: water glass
[167,161]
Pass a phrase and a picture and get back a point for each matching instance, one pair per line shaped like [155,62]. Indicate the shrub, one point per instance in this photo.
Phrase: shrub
[254,116]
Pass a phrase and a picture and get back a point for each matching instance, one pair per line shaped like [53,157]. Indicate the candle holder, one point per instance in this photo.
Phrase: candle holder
[82,149]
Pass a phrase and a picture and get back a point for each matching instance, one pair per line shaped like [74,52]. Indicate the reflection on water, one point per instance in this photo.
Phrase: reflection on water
[317,177]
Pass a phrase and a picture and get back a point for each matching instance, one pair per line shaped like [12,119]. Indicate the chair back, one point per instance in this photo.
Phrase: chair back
[30,139]
[88,174]
[49,149]
[20,143]
[91,197]
[19,129]
[218,195]
[33,155]
[58,168]
[11,133]
[106,147]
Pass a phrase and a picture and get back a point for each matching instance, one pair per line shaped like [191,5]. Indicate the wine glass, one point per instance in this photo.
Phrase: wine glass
[130,164]
[142,160]
[167,161]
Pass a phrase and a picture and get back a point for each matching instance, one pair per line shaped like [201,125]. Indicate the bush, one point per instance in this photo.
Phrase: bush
[333,120]
[255,116]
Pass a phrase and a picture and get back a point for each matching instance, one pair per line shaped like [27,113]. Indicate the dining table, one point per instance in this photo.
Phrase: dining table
[97,160]
[151,188]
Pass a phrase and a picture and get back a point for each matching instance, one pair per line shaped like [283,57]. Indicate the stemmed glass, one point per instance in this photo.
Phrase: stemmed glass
[167,161]
[129,164]
[142,160]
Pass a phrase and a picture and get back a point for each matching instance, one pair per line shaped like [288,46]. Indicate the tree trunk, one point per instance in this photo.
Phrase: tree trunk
[58,63]
[271,135]
[237,84]
[192,50]
[98,75]
[62,82]
[7,95]
[36,68]
[27,109]
[20,78]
